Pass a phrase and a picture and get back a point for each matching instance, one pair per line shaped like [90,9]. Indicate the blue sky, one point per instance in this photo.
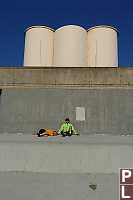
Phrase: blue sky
[16,16]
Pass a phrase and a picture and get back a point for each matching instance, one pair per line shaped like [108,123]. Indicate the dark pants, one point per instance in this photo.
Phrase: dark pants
[66,133]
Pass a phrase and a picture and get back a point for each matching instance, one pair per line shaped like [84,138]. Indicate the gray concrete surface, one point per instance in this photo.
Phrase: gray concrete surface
[40,186]
[64,168]
[61,77]
[57,168]
[27,110]
[76,154]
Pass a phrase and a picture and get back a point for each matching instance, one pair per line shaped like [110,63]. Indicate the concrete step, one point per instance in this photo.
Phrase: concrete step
[76,154]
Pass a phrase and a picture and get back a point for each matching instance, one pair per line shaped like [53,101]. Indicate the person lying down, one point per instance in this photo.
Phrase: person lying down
[47,132]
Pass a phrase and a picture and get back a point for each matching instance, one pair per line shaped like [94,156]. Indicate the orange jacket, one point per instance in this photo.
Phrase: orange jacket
[50,132]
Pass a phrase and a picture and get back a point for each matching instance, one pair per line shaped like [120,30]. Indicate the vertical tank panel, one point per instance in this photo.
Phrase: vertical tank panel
[70,47]
[38,47]
[102,47]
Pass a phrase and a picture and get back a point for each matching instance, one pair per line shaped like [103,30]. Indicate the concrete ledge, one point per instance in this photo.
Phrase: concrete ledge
[68,78]
[66,155]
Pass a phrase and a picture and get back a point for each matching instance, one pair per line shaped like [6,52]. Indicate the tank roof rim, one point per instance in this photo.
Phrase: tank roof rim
[31,27]
[70,25]
[102,26]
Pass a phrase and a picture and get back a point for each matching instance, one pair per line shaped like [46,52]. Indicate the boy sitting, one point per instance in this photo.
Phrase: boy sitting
[67,129]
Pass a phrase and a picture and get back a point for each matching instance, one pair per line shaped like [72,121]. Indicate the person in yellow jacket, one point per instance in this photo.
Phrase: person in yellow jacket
[47,132]
[67,129]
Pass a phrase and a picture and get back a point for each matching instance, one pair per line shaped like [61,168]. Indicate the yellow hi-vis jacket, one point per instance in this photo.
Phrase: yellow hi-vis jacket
[65,128]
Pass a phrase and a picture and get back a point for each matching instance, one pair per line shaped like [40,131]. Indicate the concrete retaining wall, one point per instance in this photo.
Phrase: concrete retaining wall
[66,78]
[97,100]
[101,111]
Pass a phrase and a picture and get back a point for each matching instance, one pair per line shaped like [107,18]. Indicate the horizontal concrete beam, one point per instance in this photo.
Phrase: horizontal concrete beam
[67,78]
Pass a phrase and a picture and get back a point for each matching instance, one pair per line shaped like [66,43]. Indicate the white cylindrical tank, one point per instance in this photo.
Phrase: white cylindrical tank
[102,47]
[38,46]
[70,47]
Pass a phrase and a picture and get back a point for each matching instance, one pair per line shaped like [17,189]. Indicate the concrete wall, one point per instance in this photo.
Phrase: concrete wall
[69,78]
[106,111]
[101,97]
